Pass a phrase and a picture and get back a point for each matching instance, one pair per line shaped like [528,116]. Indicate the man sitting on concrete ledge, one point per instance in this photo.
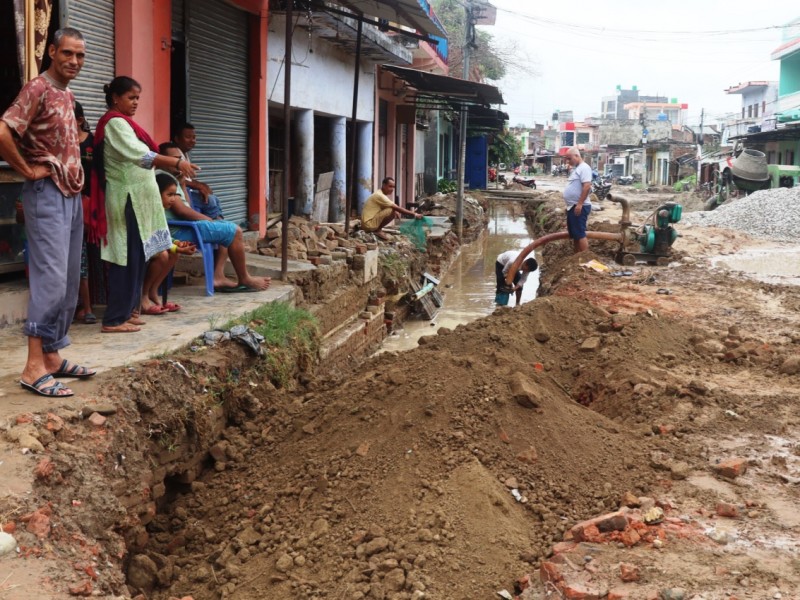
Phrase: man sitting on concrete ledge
[224,233]
[379,210]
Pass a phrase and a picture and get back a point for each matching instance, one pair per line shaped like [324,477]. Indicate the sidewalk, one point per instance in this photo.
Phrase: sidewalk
[105,351]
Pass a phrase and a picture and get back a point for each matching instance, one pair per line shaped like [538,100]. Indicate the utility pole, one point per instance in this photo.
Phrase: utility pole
[643,121]
[469,40]
[700,144]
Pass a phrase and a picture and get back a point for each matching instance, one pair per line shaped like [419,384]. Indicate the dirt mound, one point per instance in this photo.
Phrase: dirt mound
[406,473]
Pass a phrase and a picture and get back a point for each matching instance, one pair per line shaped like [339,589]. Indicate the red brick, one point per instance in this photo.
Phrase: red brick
[628,572]
[97,419]
[590,529]
[9,527]
[724,509]
[39,523]
[44,468]
[617,594]
[732,468]
[579,591]
[564,547]
[630,537]
[528,456]
[81,589]
[550,572]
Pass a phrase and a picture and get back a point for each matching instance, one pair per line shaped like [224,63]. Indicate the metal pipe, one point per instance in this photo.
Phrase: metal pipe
[287,140]
[552,237]
[626,209]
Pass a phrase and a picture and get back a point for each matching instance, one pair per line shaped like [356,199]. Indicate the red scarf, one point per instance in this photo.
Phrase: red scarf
[97,225]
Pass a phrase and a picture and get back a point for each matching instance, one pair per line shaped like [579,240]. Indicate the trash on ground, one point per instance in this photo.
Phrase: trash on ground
[240,333]
[596,265]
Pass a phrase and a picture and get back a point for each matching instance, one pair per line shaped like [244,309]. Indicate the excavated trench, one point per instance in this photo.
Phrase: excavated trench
[302,486]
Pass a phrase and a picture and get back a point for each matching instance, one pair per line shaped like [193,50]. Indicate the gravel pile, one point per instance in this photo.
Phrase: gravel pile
[769,214]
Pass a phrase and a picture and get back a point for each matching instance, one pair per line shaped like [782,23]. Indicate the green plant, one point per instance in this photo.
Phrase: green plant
[213,321]
[291,334]
[447,186]
[392,265]
[685,184]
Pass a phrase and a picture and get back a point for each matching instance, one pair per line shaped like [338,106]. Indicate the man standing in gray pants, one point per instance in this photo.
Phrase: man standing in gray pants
[39,139]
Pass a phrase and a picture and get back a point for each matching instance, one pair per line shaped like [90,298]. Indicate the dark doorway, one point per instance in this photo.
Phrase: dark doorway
[178,85]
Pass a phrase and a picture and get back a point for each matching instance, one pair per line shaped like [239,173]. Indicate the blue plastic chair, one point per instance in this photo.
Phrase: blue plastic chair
[206,249]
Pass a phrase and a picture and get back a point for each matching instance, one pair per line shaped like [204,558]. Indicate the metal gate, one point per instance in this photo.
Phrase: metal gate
[95,20]
[216,41]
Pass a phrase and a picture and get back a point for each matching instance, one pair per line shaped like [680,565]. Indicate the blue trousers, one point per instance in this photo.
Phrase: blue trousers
[54,228]
[211,209]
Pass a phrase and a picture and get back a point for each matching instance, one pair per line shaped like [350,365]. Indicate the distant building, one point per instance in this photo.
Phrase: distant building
[613,107]
[759,99]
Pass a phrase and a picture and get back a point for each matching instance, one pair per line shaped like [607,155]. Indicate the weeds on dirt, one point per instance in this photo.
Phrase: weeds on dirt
[291,334]
[392,265]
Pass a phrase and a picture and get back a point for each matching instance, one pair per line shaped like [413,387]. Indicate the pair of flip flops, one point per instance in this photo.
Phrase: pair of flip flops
[47,385]
[235,290]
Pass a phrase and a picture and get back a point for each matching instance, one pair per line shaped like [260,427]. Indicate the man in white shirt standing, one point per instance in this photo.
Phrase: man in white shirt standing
[503,265]
[576,196]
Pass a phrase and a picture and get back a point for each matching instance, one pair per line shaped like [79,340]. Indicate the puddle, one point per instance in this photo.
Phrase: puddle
[770,265]
[469,286]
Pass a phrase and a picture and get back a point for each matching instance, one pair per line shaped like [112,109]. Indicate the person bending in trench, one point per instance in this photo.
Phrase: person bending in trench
[503,265]
[379,210]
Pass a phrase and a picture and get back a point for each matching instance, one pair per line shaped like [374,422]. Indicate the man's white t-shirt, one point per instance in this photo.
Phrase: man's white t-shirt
[507,259]
[579,175]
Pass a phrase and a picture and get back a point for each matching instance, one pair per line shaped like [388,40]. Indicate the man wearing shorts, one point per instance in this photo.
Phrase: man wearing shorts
[576,197]
[227,235]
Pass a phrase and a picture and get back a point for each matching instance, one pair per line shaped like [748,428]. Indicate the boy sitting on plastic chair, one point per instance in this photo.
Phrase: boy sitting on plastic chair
[227,235]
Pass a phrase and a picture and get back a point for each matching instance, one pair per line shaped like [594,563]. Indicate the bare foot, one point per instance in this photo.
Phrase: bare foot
[136,321]
[258,283]
[122,328]
[224,282]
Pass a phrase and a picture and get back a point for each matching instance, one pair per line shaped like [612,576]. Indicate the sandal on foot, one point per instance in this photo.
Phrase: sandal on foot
[121,328]
[154,309]
[50,391]
[74,371]
[89,319]
[172,307]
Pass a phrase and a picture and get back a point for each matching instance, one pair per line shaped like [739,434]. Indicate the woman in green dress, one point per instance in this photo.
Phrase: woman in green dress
[126,214]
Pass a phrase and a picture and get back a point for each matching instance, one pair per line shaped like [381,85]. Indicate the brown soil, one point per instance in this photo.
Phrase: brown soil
[397,481]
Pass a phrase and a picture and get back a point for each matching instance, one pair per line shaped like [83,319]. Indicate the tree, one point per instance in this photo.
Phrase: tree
[506,148]
[489,59]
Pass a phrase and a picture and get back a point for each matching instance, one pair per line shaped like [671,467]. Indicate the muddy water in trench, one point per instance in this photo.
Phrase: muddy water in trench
[469,285]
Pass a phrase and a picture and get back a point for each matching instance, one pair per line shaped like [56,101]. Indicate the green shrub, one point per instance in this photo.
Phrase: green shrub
[447,186]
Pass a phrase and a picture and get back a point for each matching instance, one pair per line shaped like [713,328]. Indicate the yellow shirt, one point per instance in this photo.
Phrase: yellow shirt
[374,204]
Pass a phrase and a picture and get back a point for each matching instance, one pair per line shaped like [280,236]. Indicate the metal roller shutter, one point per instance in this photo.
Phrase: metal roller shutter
[95,20]
[177,17]
[216,40]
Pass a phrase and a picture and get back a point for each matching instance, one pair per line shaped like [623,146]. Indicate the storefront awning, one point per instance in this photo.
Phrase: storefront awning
[786,134]
[428,90]
[416,14]
[483,120]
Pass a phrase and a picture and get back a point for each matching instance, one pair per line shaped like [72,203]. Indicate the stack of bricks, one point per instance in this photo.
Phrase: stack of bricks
[357,340]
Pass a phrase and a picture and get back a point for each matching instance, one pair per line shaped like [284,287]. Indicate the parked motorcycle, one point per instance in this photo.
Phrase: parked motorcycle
[559,170]
[601,186]
[625,180]
[529,183]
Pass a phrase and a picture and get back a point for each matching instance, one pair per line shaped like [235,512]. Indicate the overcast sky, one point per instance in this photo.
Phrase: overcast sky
[691,50]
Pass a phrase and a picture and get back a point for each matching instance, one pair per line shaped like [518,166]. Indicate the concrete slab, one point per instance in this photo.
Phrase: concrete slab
[263,266]
[162,333]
